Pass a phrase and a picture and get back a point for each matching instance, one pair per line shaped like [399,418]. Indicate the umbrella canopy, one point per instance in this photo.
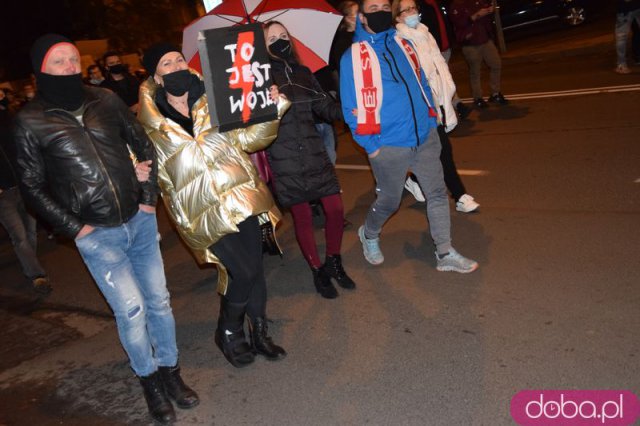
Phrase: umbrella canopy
[311,24]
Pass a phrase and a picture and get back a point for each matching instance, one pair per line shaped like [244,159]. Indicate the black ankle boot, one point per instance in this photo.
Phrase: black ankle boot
[159,405]
[230,336]
[323,284]
[333,267]
[183,395]
[261,343]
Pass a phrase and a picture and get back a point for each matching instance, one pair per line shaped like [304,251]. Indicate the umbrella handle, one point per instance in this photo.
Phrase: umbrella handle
[246,12]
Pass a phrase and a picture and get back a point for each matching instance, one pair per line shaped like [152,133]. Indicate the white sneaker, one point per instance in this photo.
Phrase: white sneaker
[413,187]
[623,69]
[455,262]
[466,204]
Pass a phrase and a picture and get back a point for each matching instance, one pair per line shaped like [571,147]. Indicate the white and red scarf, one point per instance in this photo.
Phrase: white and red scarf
[368,84]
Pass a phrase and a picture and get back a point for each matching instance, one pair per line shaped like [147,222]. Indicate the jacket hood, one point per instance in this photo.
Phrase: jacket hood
[360,34]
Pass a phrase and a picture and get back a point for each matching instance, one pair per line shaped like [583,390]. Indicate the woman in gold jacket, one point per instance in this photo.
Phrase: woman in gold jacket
[213,194]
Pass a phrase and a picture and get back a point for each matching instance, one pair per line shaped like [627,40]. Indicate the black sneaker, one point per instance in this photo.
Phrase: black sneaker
[498,98]
[463,110]
[480,103]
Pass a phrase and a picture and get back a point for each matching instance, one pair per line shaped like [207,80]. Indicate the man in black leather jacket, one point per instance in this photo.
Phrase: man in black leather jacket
[73,154]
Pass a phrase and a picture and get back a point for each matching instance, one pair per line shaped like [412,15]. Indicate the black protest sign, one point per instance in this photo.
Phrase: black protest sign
[237,76]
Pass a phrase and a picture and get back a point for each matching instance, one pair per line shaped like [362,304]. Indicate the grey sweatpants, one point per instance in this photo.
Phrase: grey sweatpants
[474,55]
[390,169]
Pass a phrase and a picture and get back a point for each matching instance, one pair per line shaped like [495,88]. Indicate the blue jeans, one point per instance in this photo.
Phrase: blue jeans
[21,227]
[126,263]
[326,133]
[623,26]
[390,169]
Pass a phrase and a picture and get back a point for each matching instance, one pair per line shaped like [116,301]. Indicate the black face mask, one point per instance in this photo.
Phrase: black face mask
[281,48]
[65,91]
[177,83]
[379,21]
[117,69]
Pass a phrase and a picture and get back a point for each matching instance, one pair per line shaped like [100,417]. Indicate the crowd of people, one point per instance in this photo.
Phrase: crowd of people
[71,147]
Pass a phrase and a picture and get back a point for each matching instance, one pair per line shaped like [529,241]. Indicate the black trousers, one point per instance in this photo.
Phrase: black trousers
[241,254]
[451,178]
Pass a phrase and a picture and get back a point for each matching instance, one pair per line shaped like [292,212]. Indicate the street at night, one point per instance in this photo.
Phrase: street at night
[553,305]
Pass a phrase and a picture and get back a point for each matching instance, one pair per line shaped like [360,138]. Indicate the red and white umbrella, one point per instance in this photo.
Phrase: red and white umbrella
[311,24]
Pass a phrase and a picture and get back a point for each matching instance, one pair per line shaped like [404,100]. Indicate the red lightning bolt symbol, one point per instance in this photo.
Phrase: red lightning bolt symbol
[246,86]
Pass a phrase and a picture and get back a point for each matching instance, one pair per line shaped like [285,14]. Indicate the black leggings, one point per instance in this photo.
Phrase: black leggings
[241,255]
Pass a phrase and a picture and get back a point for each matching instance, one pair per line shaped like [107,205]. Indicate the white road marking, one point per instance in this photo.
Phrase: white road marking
[538,95]
[576,92]
[462,172]
[465,172]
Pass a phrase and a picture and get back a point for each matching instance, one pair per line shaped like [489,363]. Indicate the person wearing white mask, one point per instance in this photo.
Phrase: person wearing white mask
[443,89]
[95,77]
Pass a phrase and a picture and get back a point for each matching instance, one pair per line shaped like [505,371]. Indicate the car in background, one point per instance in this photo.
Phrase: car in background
[523,13]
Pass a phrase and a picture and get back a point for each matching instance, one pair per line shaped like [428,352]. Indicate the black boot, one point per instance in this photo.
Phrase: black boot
[183,395]
[333,267]
[230,336]
[323,284]
[263,344]
[159,405]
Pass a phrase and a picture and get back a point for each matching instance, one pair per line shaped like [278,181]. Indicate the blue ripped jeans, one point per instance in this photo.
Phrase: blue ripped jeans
[126,263]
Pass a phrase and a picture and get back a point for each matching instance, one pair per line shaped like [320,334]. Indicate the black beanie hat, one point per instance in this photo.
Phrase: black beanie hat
[41,47]
[154,53]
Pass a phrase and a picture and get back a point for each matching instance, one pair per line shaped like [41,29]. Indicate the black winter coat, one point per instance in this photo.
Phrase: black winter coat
[74,174]
[300,165]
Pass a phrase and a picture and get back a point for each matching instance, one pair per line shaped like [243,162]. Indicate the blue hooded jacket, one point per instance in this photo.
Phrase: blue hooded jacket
[404,115]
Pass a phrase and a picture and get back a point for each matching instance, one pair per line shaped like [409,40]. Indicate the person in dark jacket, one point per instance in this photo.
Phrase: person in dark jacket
[473,25]
[15,219]
[120,81]
[344,36]
[302,171]
[75,170]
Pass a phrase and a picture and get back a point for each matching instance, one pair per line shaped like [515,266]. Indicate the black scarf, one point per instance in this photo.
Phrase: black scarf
[64,91]
[195,92]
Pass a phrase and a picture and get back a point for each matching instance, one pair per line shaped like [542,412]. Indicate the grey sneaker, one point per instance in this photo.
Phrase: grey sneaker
[370,248]
[456,262]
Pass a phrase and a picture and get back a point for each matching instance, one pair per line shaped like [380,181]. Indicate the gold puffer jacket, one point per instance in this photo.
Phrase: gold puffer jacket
[208,182]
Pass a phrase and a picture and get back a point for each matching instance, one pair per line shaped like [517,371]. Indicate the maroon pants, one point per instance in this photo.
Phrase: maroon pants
[333,228]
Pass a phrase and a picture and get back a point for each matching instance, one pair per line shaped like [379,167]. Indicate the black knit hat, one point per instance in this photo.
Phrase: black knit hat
[154,53]
[42,46]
